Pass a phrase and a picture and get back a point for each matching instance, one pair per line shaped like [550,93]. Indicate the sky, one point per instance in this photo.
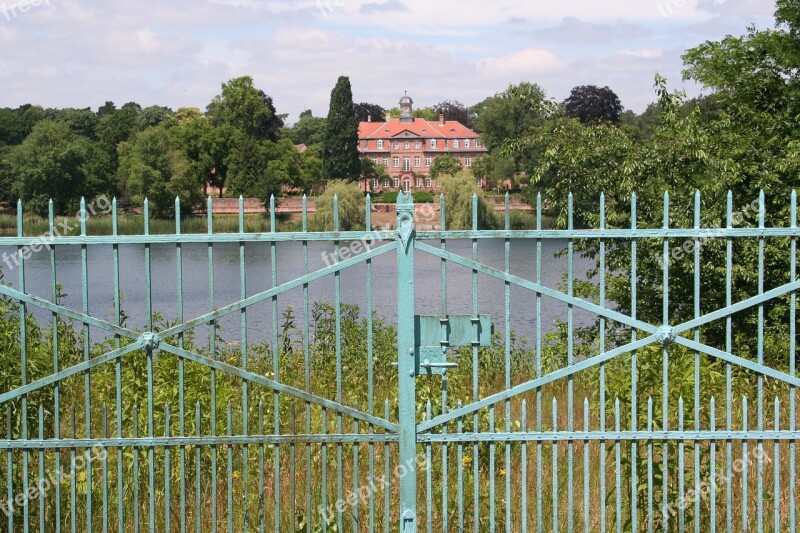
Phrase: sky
[79,53]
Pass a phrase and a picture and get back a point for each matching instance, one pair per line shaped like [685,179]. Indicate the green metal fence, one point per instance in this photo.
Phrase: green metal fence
[344,422]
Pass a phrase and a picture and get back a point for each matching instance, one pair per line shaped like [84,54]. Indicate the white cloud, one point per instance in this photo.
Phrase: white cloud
[525,63]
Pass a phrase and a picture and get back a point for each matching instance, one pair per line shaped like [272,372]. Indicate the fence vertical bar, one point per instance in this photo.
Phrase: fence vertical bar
[56,364]
[105,469]
[23,348]
[212,344]
[665,365]
[618,465]
[728,367]
[370,368]
[245,390]
[337,285]
[276,398]
[760,442]
[136,451]
[696,443]
[87,383]
[492,429]
[42,494]
[713,467]
[181,369]
[539,408]
[198,510]
[745,499]
[167,474]
[150,408]
[428,475]
[776,469]
[650,488]
[793,369]
[507,350]
[524,468]
[681,472]
[117,366]
[444,343]
[555,501]
[406,363]
[602,347]
[460,469]
[475,376]
[306,377]
[261,472]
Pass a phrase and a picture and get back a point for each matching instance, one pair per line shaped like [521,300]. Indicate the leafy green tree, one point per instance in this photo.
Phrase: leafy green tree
[53,162]
[206,147]
[366,111]
[311,176]
[444,165]
[309,130]
[511,114]
[370,170]
[340,145]
[246,108]
[352,207]
[153,116]
[455,110]
[590,103]
[459,190]
[150,166]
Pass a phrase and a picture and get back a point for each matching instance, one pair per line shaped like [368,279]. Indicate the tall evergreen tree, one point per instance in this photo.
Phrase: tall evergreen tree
[340,145]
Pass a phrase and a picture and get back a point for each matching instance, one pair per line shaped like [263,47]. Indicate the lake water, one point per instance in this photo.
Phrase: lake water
[290,266]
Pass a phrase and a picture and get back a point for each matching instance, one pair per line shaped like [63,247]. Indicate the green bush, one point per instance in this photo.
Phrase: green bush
[389,197]
[423,197]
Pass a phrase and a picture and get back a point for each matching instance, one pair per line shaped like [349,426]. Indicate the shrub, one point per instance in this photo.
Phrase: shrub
[423,197]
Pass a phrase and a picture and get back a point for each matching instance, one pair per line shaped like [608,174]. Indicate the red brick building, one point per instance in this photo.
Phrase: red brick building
[407,146]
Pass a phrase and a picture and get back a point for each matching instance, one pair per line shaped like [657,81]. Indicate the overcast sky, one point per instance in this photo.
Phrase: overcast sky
[77,53]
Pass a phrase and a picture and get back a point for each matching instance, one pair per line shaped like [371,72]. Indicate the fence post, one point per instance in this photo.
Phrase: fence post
[407,469]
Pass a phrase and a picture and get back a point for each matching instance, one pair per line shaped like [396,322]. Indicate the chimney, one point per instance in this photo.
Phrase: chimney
[441,119]
[369,118]
[388,116]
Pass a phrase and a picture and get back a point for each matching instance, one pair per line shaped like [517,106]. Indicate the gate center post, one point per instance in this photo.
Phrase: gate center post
[406,357]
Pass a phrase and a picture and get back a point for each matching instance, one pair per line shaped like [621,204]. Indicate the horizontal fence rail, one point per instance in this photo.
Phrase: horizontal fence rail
[672,407]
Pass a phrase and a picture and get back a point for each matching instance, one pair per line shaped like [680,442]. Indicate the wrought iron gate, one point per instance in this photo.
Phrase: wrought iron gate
[475,425]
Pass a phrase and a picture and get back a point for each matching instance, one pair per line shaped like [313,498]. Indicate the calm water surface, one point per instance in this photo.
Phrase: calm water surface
[290,266]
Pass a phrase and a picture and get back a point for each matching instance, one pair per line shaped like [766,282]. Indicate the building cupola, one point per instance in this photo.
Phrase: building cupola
[406,109]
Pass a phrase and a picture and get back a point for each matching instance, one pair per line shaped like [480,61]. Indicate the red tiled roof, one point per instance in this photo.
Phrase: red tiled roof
[420,127]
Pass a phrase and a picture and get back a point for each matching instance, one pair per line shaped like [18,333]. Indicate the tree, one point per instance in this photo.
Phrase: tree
[206,147]
[309,130]
[151,167]
[370,170]
[459,192]
[455,110]
[52,150]
[340,144]
[153,116]
[444,165]
[246,108]
[365,111]
[590,103]
[352,207]
[512,114]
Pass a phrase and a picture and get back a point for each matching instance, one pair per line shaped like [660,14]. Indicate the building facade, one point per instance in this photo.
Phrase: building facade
[406,148]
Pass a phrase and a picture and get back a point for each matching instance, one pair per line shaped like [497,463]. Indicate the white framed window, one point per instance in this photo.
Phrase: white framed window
[428,161]
[477,143]
[419,183]
[396,162]
[406,164]
[467,162]
[385,183]
[375,160]
[428,182]
[479,182]
[417,145]
[417,162]
[380,144]
[406,145]
[406,186]
[396,145]
[433,144]
[396,182]
[374,184]
[466,143]
[386,162]
[455,143]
